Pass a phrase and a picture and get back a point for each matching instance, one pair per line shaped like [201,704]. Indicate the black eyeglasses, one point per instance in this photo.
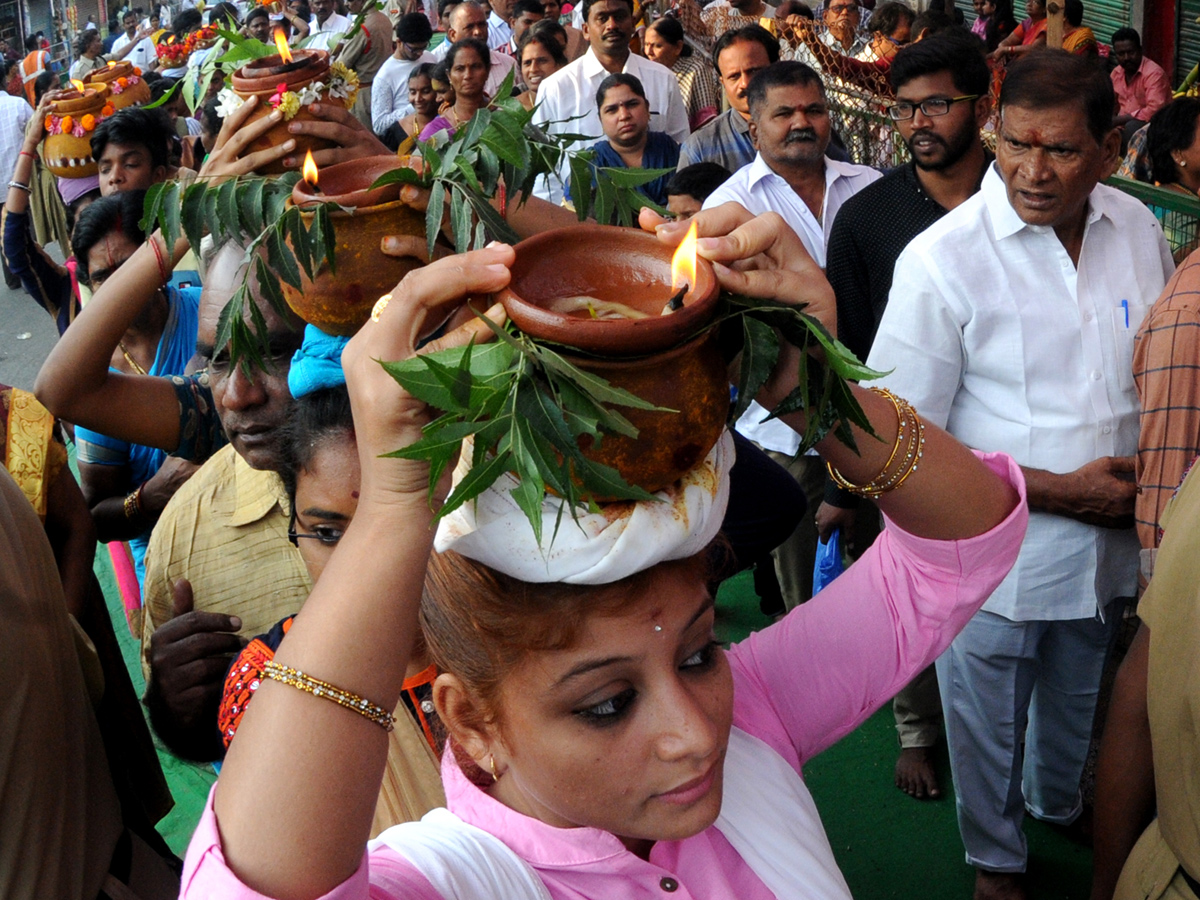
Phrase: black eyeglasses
[327,539]
[934,106]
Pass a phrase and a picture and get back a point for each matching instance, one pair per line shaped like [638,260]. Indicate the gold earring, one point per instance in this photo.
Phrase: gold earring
[492,766]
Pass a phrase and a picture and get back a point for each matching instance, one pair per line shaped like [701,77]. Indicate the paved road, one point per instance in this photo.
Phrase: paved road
[26,335]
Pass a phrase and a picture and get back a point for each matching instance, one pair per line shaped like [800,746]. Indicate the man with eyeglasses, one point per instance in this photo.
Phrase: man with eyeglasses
[389,96]
[941,87]
[792,176]
[1011,323]
[842,19]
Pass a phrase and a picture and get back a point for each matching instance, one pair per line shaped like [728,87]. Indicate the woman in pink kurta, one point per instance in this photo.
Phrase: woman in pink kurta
[638,760]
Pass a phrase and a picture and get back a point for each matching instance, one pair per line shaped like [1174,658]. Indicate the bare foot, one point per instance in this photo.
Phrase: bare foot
[1000,885]
[915,774]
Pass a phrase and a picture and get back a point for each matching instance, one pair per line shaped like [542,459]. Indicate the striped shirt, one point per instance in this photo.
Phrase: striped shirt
[1166,372]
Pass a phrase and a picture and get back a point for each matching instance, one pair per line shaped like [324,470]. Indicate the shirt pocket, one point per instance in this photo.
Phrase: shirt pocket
[1126,320]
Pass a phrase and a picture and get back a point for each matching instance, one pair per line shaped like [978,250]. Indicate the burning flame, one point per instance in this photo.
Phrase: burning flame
[282,44]
[310,169]
[111,63]
[78,85]
[683,263]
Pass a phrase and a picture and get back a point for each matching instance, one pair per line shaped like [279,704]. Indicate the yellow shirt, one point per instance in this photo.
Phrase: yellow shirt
[225,531]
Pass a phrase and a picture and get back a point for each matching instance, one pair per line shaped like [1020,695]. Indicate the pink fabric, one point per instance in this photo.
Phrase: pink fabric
[799,686]
[127,583]
[1141,96]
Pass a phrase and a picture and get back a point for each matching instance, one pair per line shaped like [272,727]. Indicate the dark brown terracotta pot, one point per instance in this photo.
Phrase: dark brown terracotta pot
[262,77]
[340,302]
[134,92]
[672,360]
[70,155]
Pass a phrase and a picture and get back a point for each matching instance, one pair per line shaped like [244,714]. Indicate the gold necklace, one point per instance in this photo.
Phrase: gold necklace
[129,359]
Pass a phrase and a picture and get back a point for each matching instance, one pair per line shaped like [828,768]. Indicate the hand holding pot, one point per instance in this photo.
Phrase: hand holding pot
[337,124]
[226,160]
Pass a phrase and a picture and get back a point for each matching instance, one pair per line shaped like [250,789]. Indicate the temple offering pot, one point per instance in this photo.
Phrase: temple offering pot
[340,302]
[671,360]
[263,78]
[124,81]
[70,121]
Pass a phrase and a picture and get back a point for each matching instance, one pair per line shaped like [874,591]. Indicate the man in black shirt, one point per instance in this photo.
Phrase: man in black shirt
[941,86]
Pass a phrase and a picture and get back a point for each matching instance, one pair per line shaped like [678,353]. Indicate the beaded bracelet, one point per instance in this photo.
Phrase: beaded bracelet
[908,448]
[133,503]
[318,688]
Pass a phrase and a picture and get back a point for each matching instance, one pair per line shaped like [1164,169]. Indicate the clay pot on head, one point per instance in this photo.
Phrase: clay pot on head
[670,360]
[340,302]
[126,87]
[68,154]
[262,78]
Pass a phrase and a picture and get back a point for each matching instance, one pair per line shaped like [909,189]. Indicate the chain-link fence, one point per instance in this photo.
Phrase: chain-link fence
[1178,213]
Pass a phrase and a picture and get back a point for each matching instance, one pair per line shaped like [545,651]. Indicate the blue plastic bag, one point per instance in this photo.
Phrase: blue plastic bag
[829,564]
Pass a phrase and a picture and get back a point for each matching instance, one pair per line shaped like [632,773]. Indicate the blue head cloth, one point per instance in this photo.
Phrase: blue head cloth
[318,363]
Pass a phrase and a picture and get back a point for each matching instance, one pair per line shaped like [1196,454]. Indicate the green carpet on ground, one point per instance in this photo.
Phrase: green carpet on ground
[888,845]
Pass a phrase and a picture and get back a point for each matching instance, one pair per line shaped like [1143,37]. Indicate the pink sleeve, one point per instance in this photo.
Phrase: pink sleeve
[382,875]
[804,683]
[1158,94]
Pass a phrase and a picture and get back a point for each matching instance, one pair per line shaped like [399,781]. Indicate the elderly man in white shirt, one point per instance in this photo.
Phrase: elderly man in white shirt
[567,99]
[468,20]
[325,25]
[1011,323]
[500,30]
[791,175]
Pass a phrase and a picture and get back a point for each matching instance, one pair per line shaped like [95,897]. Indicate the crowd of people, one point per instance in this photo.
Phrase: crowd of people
[1018,524]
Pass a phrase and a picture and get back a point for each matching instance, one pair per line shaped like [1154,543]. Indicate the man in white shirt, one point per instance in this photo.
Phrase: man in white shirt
[1011,323]
[468,20]
[791,175]
[15,113]
[141,55]
[389,94]
[567,99]
[326,25]
[500,30]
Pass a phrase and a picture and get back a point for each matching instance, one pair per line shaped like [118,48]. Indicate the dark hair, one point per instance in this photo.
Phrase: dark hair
[753,33]
[86,38]
[160,86]
[209,116]
[128,13]
[47,81]
[1051,79]
[528,6]
[550,28]
[630,81]
[413,28]
[444,7]
[930,23]
[671,31]
[889,16]
[473,44]
[441,73]
[79,203]
[698,180]
[587,7]
[121,212]
[1172,128]
[794,8]
[31,43]
[259,12]
[787,73]
[1127,34]
[316,418]
[545,39]
[1073,12]
[133,125]
[955,51]
[424,70]
[226,11]
[1000,24]
[188,20]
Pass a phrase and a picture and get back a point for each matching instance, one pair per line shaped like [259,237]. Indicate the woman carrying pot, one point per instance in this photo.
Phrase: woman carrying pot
[601,743]
[467,65]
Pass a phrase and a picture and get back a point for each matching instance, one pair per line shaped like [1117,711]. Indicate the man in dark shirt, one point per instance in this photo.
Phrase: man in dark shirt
[941,86]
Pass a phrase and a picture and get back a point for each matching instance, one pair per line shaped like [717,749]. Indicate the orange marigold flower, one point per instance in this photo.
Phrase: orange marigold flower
[88,122]
[107,111]
[49,121]
[137,71]
[123,81]
[67,124]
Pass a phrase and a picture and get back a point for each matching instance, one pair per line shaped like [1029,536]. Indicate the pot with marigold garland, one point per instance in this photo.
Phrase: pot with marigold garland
[124,81]
[69,125]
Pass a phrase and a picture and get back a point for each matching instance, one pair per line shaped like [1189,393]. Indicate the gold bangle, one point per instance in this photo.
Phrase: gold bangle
[909,447]
[133,503]
[318,688]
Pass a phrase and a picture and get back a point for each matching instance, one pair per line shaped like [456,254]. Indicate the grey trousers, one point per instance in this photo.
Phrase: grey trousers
[1005,682]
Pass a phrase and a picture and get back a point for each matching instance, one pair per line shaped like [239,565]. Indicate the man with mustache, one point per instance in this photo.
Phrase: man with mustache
[942,101]
[567,99]
[793,176]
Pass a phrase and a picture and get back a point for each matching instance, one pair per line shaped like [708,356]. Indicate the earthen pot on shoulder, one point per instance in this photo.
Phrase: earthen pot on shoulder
[125,83]
[339,302]
[671,360]
[261,78]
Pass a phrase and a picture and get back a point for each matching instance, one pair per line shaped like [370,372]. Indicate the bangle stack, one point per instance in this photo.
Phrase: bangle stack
[906,453]
[318,688]
[133,503]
